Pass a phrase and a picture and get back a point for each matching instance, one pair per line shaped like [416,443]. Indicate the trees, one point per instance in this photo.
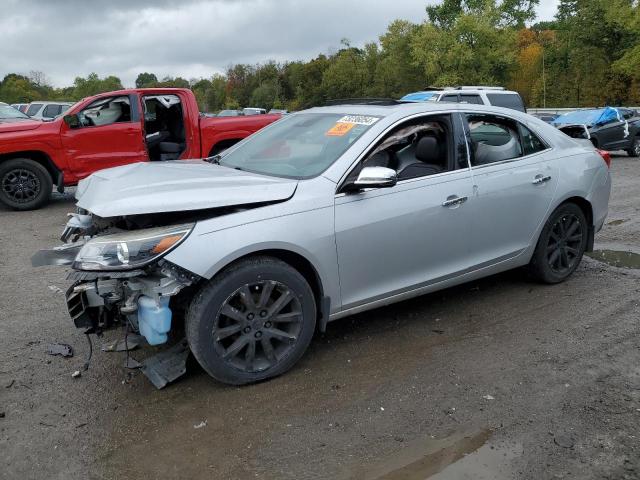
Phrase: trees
[93,84]
[590,55]
[145,80]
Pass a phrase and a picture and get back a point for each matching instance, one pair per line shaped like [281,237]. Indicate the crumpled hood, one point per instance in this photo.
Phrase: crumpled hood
[12,125]
[180,185]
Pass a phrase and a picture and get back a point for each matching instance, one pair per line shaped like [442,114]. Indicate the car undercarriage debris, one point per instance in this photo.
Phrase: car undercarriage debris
[167,366]
[131,342]
[61,349]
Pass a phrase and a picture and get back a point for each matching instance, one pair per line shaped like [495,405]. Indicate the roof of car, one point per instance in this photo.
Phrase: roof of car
[410,108]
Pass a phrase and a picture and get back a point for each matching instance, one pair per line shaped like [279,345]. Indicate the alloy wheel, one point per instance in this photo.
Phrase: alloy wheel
[21,185]
[564,245]
[636,147]
[257,325]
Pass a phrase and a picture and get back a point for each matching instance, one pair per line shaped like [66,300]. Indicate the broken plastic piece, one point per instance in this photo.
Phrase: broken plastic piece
[60,349]
[76,374]
[167,366]
[131,363]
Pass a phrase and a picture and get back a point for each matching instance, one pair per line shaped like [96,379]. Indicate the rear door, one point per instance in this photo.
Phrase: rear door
[110,134]
[514,180]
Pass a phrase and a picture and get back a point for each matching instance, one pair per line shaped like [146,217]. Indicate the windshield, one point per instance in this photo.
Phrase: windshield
[587,117]
[299,146]
[7,112]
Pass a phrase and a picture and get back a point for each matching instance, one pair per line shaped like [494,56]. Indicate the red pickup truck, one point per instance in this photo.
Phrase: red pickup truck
[108,130]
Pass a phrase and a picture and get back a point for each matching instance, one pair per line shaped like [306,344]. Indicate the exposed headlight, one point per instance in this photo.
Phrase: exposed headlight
[126,251]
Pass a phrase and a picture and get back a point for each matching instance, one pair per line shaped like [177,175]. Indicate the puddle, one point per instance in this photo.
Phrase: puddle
[458,456]
[489,462]
[616,258]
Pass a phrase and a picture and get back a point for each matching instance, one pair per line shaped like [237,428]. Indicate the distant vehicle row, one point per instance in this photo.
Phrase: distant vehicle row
[43,110]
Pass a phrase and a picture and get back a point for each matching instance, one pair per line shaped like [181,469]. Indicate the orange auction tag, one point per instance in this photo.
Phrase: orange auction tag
[340,129]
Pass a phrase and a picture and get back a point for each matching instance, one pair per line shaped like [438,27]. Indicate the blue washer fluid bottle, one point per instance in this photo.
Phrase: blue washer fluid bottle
[154,319]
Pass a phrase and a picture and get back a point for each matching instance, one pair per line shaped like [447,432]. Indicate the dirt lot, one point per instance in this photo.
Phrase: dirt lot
[498,379]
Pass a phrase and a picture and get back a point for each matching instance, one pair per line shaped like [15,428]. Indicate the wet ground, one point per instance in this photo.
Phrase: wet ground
[498,379]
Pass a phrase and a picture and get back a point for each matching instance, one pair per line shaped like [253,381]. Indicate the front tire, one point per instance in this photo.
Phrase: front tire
[24,184]
[561,245]
[251,322]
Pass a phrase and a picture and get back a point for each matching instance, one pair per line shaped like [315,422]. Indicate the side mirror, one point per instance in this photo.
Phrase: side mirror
[72,120]
[374,177]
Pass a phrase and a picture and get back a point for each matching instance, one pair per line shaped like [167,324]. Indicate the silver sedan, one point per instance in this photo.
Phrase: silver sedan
[325,213]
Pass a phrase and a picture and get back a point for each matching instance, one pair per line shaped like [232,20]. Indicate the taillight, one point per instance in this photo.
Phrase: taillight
[606,156]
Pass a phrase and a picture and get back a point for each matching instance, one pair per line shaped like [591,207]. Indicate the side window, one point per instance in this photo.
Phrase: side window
[106,111]
[530,142]
[51,111]
[450,98]
[417,148]
[33,109]
[493,139]
[470,99]
[506,100]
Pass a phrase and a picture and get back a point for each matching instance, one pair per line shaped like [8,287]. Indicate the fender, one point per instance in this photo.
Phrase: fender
[220,137]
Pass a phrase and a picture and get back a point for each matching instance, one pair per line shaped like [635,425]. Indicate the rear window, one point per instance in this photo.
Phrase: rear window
[33,108]
[51,111]
[506,100]
[470,98]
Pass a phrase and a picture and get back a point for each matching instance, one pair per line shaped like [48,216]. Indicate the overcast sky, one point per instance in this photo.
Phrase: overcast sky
[188,38]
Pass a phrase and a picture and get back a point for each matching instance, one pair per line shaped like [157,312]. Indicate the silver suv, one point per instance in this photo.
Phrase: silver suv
[47,110]
[479,95]
[324,213]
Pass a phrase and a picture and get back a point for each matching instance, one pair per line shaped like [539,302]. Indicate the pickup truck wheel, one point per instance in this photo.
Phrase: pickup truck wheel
[634,151]
[24,184]
[251,322]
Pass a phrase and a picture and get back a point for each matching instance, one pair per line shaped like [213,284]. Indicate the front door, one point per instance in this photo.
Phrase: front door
[392,240]
[110,134]
[514,180]
[612,131]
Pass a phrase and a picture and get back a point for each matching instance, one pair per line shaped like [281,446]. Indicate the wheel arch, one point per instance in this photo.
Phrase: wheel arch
[40,157]
[303,266]
[587,209]
[223,145]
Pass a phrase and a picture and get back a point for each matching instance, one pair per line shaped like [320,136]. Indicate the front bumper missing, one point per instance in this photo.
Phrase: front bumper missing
[101,300]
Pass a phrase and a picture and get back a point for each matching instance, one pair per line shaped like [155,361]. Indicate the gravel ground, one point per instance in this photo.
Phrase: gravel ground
[501,378]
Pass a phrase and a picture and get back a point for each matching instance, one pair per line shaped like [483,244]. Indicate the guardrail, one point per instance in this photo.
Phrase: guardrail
[565,110]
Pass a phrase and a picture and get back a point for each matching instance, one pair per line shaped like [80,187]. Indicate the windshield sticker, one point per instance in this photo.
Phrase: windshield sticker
[359,119]
[339,129]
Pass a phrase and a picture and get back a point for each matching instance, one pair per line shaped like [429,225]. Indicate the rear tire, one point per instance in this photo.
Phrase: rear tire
[251,322]
[24,184]
[561,245]
[634,151]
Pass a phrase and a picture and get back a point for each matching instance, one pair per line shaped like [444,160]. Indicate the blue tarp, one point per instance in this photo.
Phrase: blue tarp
[588,117]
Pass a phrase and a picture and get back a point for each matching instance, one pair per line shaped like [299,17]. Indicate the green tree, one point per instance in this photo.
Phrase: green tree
[145,80]
[93,84]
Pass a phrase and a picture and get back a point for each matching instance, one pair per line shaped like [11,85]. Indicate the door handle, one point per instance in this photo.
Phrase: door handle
[454,200]
[540,179]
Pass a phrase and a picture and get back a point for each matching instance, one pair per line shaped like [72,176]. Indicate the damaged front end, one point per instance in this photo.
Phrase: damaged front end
[119,276]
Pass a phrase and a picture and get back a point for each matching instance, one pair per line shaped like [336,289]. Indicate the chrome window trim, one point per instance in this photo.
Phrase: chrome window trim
[511,160]
[353,165]
[408,181]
